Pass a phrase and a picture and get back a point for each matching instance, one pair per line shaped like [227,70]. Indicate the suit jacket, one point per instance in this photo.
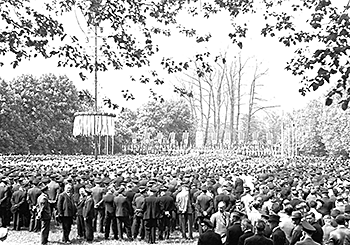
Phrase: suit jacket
[18,198]
[307,241]
[122,206]
[220,223]
[209,238]
[318,234]
[4,195]
[89,209]
[137,204]
[152,207]
[258,240]
[233,233]
[278,237]
[167,203]
[97,193]
[337,237]
[65,205]
[242,238]
[204,203]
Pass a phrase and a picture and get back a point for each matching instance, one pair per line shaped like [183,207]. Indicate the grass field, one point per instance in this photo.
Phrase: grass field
[55,237]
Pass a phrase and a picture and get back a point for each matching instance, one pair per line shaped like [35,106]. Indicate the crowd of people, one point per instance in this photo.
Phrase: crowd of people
[228,199]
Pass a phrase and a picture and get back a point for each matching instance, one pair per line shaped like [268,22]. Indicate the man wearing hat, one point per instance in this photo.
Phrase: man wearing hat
[53,192]
[184,205]
[97,194]
[123,211]
[308,231]
[168,207]
[204,206]
[151,213]
[234,231]
[138,226]
[17,204]
[44,214]
[278,236]
[32,197]
[66,210]
[89,214]
[5,195]
[208,237]
[317,236]
[110,219]
[297,230]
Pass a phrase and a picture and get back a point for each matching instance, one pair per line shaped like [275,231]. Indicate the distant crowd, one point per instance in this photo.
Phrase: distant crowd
[226,199]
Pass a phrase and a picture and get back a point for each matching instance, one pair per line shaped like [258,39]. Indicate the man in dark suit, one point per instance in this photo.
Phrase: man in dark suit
[137,204]
[247,231]
[151,213]
[123,211]
[66,211]
[44,214]
[317,236]
[297,230]
[234,231]
[89,214]
[208,237]
[259,238]
[168,207]
[32,197]
[17,201]
[110,219]
[204,206]
[341,234]
[5,196]
[278,236]
[80,218]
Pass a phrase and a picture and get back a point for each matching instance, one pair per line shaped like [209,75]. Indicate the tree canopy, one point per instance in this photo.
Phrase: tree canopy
[320,41]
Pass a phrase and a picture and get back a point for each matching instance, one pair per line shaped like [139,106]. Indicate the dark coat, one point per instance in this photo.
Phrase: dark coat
[80,205]
[204,203]
[307,241]
[32,196]
[151,207]
[258,240]
[278,237]
[242,238]
[209,238]
[233,234]
[296,234]
[65,205]
[122,206]
[108,201]
[88,209]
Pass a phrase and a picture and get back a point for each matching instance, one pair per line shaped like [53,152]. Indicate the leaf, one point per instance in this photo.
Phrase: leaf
[329,101]
[240,45]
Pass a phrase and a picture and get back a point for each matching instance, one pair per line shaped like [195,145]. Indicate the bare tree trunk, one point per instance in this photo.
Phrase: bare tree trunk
[207,121]
[239,82]
[225,123]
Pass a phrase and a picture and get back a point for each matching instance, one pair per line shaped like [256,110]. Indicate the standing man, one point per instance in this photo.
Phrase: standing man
[278,236]
[221,220]
[80,218]
[89,214]
[168,207]
[17,202]
[151,212]
[32,197]
[123,212]
[44,214]
[97,195]
[53,192]
[66,210]
[341,234]
[259,237]
[184,207]
[110,219]
[247,229]
[208,236]
[307,238]
[138,223]
[297,230]
[204,206]
[234,231]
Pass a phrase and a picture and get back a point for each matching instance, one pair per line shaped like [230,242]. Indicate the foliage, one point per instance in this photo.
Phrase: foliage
[37,116]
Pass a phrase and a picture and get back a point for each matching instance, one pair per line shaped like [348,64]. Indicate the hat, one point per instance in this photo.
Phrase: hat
[307,226]
[296,215]
[235,214]
[340,219]
[274,218]
[207,222]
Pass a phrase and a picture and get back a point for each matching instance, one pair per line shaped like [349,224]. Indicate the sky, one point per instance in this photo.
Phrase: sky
[279,86]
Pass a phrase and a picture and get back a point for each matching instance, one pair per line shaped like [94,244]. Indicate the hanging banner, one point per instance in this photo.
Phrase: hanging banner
[93,124]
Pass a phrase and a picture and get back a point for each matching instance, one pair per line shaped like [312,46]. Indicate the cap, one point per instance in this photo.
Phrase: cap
[307,226]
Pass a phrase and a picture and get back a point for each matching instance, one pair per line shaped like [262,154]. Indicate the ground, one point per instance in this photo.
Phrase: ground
[25,237]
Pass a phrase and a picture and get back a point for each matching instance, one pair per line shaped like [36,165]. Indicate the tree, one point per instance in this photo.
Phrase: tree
[38,114]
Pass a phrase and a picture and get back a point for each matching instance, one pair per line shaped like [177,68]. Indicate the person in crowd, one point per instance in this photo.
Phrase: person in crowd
[80,218]
[208,236]
[66,211]
[317,235]
[338,235]
[138,227]
[259,238]
[110,218]
[297,230]
[32,197]
[204,206]
[97,195]
[167,203]
[247,229]
[234,231]
[278,236]
[327,228]
[17,204]
[123,211]
[185,210]
[44,214]
[221,220]
[89,214]
[308,230]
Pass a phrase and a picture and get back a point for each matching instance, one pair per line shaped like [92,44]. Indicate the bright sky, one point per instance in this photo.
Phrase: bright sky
[280,87]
